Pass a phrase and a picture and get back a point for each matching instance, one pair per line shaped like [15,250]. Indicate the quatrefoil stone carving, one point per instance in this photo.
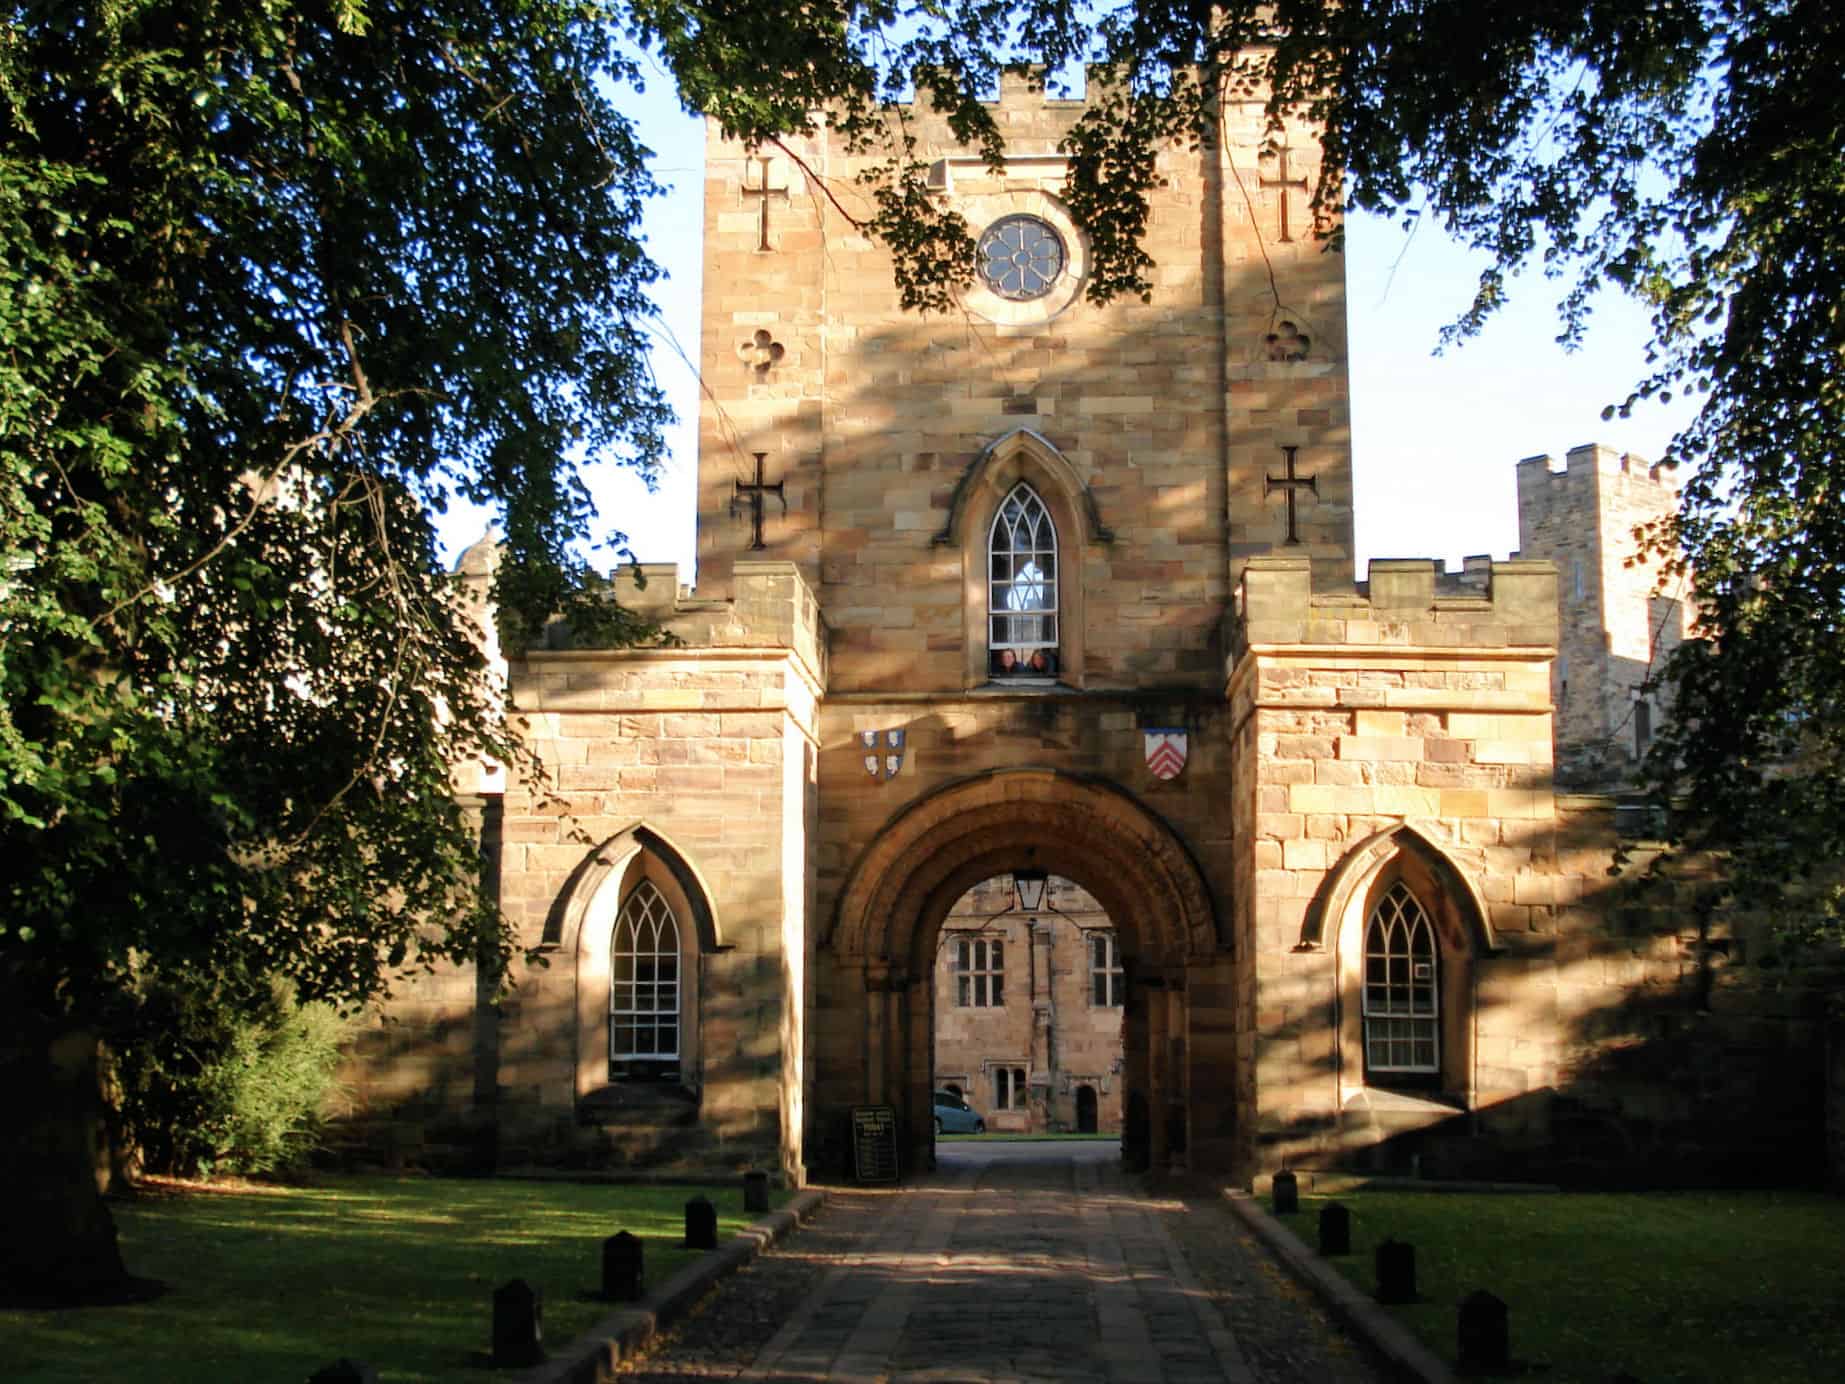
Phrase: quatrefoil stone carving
[761,352]
[1287,342]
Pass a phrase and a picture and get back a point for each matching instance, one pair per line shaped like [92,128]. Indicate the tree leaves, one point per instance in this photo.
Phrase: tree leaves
[276,280]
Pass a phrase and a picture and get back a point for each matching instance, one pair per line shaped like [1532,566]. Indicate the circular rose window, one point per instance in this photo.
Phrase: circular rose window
[1020,257]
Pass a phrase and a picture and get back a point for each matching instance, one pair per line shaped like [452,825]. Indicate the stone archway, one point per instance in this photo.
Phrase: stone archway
[874,1030]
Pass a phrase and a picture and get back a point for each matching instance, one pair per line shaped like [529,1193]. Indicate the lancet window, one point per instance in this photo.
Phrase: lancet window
[1022,588]
[644,980]
[1402,1018]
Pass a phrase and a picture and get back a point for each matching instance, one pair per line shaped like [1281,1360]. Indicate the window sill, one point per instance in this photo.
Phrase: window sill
[1023,685]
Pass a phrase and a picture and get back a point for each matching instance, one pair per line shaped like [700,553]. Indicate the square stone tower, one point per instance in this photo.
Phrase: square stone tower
[1620,613]
[1171,422]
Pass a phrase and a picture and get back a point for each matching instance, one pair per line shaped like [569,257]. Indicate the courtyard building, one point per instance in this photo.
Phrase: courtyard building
[1029,994]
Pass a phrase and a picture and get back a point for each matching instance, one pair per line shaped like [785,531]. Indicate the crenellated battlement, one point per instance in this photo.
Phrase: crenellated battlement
[771,606]
[1019,92]
[1593,460]
[1404,604]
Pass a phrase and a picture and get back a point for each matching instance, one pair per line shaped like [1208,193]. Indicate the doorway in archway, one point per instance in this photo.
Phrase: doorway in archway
[1028,1002]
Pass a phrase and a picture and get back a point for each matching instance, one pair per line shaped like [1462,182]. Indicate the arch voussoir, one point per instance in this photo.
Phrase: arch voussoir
[1093,832]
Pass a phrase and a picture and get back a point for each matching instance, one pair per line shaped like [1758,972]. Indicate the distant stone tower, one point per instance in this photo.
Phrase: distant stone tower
[1619,616]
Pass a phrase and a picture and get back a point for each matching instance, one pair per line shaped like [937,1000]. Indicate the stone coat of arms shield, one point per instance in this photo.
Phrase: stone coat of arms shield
[883,752]
[1166,751]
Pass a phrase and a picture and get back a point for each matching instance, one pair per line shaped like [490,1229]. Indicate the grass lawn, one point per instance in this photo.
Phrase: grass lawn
[270,1283]
[1670,1286]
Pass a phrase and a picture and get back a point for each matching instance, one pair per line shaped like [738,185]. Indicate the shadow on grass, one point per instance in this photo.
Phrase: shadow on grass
[1664,1286]
[396,1271]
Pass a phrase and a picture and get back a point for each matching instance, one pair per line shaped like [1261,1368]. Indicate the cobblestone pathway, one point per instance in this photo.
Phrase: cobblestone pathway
[1014,1262]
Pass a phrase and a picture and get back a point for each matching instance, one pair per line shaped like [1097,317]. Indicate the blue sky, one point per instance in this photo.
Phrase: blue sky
[1435,438]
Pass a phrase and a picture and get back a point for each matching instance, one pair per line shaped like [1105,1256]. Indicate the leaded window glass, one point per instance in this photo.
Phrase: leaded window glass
[1401,993]
[1022,587]
[980,972]
[1020,257]
[644,979]
[1105,977]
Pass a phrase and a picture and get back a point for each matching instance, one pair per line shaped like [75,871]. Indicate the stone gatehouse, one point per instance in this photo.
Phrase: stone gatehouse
[1054,588]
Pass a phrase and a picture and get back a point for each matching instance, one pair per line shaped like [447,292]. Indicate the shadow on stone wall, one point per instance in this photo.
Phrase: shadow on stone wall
[1689,1050]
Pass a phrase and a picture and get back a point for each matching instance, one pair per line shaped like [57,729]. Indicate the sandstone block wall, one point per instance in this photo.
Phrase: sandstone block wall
[1413,702]
[1172,413]
[709,745]
[1614,1027]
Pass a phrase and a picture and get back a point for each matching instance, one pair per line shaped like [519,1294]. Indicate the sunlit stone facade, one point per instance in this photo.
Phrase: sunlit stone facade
[836,748]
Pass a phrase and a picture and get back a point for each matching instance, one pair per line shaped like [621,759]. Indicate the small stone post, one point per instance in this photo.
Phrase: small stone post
[1335,1229]
[518,1337]
[623,1267]
[1286,1193]
[344,1371]
[1396,1272]
[756,1191]
[700,1224]
[1484,1334]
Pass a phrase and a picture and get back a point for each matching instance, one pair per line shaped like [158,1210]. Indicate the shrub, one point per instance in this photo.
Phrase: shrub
[225,1078]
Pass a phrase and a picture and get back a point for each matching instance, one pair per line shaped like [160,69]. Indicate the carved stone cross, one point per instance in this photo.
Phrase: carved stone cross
[752,494]
[1288,485]
[1284,182]
[765,187]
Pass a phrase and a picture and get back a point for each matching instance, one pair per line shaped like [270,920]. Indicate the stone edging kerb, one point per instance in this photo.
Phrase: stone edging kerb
[1406,1356]
[594,1356]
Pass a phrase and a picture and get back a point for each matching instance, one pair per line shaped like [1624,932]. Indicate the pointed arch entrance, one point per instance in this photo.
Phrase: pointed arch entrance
[876,1017]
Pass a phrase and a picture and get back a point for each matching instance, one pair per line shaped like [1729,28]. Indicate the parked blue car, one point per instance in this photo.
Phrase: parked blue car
[955,1116]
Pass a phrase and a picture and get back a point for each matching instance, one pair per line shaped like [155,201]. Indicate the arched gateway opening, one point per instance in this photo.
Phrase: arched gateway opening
[1029,995]
[874,1024]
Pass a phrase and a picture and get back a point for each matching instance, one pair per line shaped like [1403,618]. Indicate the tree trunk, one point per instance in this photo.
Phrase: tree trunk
[1835,1096]
[57,1243]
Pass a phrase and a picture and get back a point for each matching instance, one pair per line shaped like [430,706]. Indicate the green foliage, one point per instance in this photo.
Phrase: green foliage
[214,1079]
[277,282]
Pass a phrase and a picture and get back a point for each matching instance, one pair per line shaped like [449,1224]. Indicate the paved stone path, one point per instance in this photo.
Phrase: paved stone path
[1020,1262]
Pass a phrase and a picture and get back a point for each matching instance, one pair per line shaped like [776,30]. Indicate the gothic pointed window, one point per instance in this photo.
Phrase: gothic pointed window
[1022,588]
[644,982]
[1401,993]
